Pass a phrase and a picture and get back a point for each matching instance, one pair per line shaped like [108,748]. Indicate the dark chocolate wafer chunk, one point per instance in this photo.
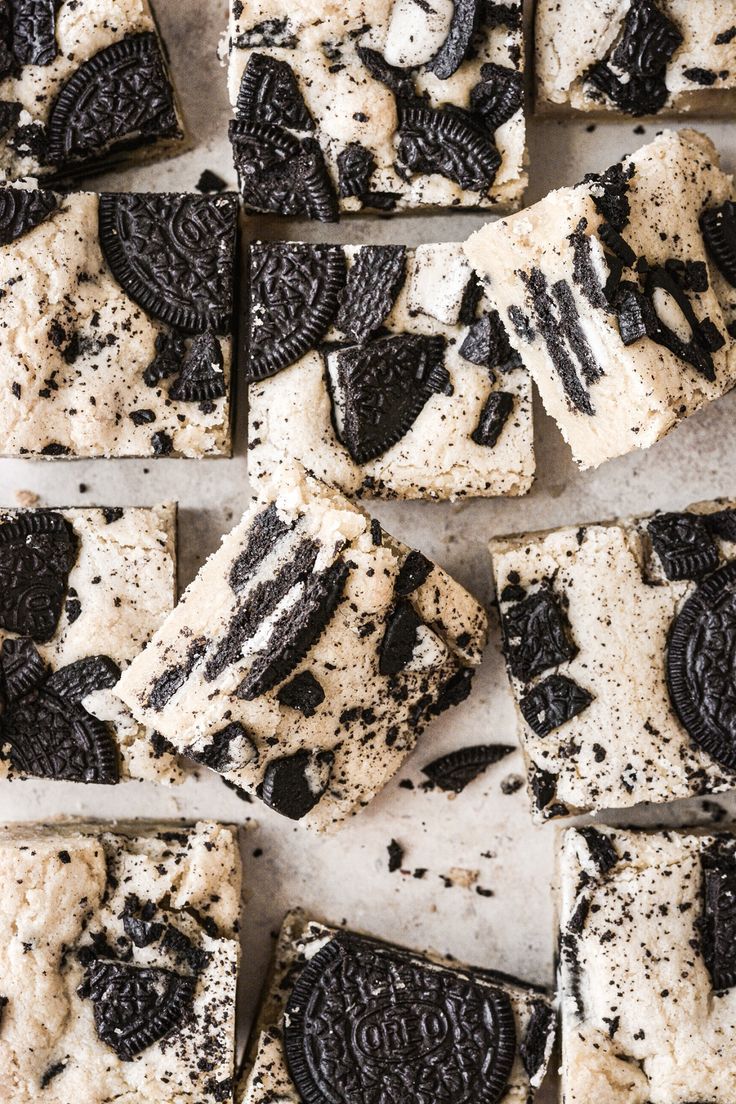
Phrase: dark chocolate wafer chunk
[537,635]
[552,702]
[456,770]
[37,551]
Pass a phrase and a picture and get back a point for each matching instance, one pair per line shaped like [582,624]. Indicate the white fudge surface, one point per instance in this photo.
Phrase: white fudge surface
[120,586]
[573,35]
[628,744]
[74,346]
[294,414]
[267,1078]
[326,759]
[76,47]
[643,1018]
[618,397]
[321,41]
[69,893]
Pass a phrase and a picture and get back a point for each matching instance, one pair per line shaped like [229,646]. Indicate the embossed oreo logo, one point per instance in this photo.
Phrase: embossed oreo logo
[396,1033]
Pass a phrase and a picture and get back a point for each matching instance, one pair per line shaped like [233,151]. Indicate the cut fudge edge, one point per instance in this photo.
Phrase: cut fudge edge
[272,1000]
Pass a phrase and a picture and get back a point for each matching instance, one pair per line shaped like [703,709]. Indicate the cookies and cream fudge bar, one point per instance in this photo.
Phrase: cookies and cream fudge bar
[377,105]
[307,655]
[618,640]
[81,592]
[647,966]
[119,957]
[384,371]
[620,294]
[84,85]
[344,1012]
[639,57]
[116,323]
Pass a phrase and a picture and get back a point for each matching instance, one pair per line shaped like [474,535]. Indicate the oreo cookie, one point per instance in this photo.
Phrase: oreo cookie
[700,676]
[296,631]
[228,748]
[537,635]
[561,332]
[267,529]
[303,693]
[609,192]
[399,638]
[9,111]
[718,227]
[452,53]
[37,552]
[45,732]
[498,95]
[487,344]
[398,1022]
[101,106]
[453,772]
[537,1039]
[202,376]
[449,142]
[718,922]
[374,281]
[383,387]
[294,298]
[281,173]
[269,93]
[293,785]
[553,702]
[684,545]
[494,415]
[413,573]
[34,31]
[633,76]
[174,255]
[22,210]
[136,1007]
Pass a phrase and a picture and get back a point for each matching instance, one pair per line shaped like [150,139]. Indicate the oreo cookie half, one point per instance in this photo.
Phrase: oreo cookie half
[364,1014]
[700,672]
[454,771]
[22,210]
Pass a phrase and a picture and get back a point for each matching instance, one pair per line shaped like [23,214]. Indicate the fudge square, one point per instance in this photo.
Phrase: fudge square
[647,966]
[618,641]
[115,331]
[84,85]
[81,592]
[384,371]
[377,105]
[621,294]
[119,957]
[640,57]
[344,1013]
[307,655]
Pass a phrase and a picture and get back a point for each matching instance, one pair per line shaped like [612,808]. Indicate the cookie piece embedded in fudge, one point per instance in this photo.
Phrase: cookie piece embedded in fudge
[618,638]
[618,297]
[648,57]
[81,592]
[385,372]
[130,932]
[377,107]
[303,638]
[122,346]
[647,965]
[401,1017]
[84,87]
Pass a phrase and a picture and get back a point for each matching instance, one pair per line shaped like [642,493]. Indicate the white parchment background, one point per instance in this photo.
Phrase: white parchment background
[346,877]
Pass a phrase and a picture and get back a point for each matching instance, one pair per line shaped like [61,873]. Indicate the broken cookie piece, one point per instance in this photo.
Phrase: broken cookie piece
[81,592]
[116,323]
[647,965]
[619,294]
[641,58]
[130,933]
[385,372]
[301,663]
[619,640]
[84,87]
[400,1018]
[377,107]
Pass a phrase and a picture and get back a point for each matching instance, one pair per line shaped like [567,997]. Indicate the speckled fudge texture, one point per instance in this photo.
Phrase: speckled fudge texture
[84,85]
[344,1012]
[119,958]
[620,294]
[647,967]
[383,371]
[366,105]
[115,329]
[618,641]
[307,655]
[640,57]
[81,592]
